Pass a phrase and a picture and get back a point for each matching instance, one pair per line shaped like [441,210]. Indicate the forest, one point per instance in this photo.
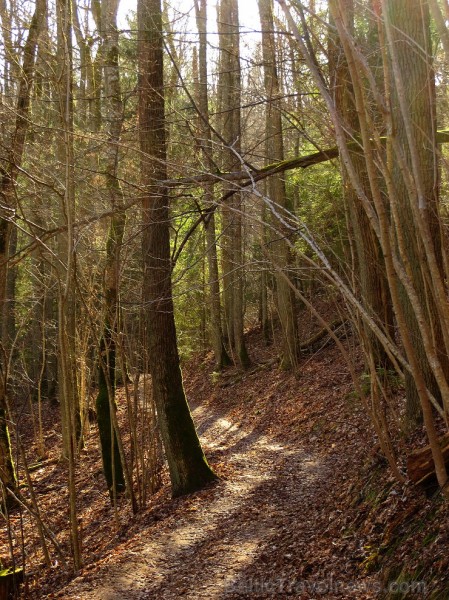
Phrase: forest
[224,318]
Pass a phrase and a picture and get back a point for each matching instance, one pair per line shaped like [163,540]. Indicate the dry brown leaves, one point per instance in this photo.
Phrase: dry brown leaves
[305,506]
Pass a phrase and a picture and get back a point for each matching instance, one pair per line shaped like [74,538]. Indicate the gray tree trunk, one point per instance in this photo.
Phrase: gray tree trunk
[221,356]
[229,89]
[274,152]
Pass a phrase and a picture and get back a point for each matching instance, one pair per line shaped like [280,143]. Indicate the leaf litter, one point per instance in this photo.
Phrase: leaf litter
[305,506]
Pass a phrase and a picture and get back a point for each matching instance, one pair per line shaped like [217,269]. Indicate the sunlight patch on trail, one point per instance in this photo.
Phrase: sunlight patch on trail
[237,433]
[203,552]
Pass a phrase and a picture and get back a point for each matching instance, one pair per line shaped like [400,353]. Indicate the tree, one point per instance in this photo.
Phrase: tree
[411,258]
[7,194]
[369,262]
[189,470]
[274,152]
[221,356]
[416,188]
[67,381]
[105,401]
[229,101]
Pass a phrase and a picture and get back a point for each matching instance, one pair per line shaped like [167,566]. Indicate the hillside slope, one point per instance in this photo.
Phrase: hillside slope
[305,506]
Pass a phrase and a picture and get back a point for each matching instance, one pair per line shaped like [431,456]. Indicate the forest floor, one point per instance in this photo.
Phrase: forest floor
[305,506]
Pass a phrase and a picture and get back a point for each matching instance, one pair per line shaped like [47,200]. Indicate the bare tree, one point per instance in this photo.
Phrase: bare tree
[274,152]
[9,174]
[221,356]
[189,470]
[229,98]
[105,402]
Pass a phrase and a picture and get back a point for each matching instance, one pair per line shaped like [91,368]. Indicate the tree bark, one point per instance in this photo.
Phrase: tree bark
[229,105]
[416,180]
[371,282]
[67,381]
[221,356]
[274,151]
[8,201]
[189,470]
[420,463]
[105,401]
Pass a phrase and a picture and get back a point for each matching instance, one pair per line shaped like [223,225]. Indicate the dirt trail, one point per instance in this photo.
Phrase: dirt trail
[232,541]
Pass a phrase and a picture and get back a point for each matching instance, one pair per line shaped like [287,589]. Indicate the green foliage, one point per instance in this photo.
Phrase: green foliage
[387,378]
[317,195]
[128,61]
[189,281]
[215,377]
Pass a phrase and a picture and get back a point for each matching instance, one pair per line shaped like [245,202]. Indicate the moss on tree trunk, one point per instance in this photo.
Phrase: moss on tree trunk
[188,466]
[7,469]
[112,464]
[10,579]
[189,469]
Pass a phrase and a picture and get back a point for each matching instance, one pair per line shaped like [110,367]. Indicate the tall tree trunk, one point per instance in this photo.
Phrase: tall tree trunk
[230,102]
[371,282]
[221,356]
[416,181]
[9,316]
[105,402]
[189,470]
[67,382]
[8,202]
[274,152]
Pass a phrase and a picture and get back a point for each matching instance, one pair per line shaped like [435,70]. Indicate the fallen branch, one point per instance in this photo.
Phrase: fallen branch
[310,345]
[299,162]
[257,174]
